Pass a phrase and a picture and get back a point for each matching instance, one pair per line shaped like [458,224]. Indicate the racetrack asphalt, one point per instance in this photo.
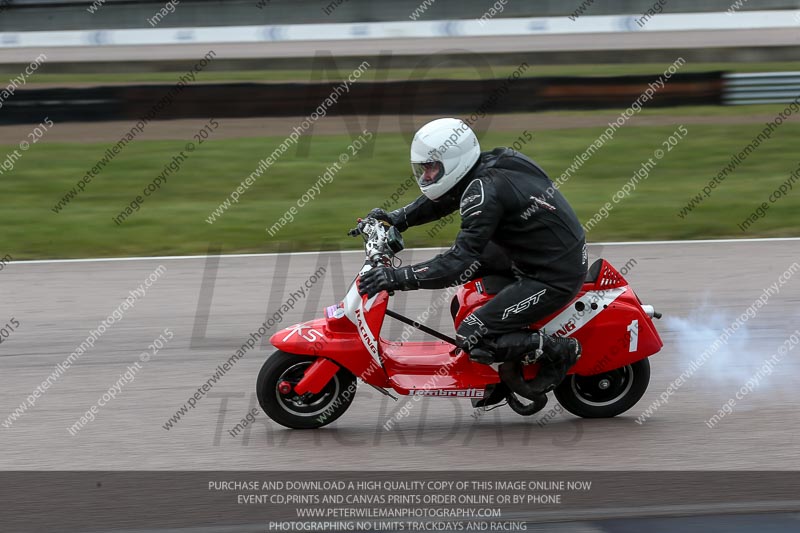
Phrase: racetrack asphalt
[707,284]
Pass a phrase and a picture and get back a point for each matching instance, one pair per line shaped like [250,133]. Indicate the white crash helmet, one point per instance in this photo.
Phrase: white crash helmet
[442,153]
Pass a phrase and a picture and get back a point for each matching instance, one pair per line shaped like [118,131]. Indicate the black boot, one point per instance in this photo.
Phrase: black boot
[481,356]
[511,374]
[555,356]
[507,347]
[515,346]
[559,355]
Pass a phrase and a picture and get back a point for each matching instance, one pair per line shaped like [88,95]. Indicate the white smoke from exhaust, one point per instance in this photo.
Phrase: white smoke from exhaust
[734,362]
[731,363]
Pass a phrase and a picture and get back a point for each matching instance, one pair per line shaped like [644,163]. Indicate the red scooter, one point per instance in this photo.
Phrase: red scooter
[310,380]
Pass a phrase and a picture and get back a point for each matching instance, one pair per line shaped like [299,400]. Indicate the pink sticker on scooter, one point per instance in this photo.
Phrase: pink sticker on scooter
[335,311]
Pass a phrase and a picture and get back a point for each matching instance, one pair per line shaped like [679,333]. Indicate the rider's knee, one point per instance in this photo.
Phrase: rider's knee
[470,333]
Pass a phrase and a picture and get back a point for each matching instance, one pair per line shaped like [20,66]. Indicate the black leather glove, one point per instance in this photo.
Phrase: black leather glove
[376,280]
[377,214]
[380,214]
[386,279]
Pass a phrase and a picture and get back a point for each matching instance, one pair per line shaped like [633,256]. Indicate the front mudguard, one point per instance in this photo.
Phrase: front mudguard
[314,338]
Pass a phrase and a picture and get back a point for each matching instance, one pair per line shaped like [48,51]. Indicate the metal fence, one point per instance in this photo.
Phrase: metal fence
[761,88]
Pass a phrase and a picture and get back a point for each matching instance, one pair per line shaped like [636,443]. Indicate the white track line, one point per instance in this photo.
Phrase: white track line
[232,256]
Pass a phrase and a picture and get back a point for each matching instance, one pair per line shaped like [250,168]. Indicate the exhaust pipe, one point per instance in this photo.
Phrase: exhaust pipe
[651,311]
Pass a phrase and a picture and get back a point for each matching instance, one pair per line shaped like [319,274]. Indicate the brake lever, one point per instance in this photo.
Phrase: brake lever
[355,232]
[359,229]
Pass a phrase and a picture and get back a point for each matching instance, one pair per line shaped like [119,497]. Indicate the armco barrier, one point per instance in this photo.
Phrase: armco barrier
[761,88]
[129,102]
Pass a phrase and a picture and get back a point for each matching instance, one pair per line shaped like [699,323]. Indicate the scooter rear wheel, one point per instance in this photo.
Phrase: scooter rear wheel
[289,409]
[604,395]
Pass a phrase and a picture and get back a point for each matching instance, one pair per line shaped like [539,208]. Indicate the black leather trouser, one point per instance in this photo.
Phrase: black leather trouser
[521,302]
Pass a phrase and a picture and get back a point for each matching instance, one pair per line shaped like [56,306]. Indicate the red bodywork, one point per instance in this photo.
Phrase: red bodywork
[606,317]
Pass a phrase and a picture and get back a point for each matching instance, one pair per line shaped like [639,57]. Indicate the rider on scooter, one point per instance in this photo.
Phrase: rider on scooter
[516,224]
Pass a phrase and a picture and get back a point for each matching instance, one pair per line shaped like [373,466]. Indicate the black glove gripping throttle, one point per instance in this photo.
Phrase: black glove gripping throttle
[377,214]
[386,279]
[380,214]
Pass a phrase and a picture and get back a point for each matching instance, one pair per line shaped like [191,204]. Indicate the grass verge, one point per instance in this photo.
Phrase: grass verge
[173,220]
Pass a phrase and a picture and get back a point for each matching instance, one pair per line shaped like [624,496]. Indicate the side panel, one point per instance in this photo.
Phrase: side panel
[580,312]
[610,324]
[622,334]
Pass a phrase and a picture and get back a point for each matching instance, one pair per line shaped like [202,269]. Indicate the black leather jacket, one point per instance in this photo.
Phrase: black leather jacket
[508,200]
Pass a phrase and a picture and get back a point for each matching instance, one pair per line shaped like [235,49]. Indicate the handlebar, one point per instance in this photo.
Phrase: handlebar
[381,240]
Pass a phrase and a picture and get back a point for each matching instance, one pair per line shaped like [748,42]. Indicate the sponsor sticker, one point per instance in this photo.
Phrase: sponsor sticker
[441,393]
[335,311]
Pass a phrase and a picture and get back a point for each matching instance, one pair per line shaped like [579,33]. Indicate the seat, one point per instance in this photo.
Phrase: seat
[594,271]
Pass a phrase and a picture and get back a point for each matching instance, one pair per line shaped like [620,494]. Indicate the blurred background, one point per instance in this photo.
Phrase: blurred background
[160,128]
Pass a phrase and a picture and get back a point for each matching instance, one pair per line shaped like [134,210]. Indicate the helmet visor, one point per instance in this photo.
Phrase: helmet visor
[428,173]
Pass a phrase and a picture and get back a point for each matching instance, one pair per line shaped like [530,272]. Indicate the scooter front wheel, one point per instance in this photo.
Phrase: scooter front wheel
[275,390]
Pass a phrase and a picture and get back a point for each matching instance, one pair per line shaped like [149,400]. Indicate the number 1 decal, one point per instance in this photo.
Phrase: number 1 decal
[633,328]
